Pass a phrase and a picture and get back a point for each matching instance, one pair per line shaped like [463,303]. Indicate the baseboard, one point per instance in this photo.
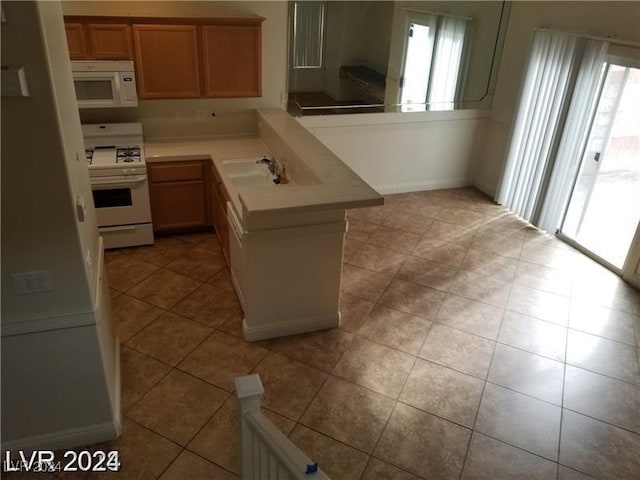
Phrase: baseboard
[74,437]
[389,189]
[288,327]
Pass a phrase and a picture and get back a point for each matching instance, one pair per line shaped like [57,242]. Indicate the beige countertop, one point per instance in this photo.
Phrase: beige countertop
[321,181]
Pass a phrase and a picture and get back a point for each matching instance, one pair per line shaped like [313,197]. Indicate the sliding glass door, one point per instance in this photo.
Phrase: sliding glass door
[604,208]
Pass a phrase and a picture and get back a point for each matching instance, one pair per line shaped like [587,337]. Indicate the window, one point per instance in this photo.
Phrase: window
[308,34]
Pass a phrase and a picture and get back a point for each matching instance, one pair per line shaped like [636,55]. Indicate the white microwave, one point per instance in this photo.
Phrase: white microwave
[104,84]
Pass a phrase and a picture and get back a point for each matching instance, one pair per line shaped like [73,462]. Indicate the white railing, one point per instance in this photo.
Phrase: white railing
[266,453]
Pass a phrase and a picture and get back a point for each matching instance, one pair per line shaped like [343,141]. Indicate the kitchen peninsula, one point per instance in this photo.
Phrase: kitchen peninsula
[285,242]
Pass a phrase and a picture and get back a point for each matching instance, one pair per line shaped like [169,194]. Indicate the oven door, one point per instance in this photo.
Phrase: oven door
[121,200]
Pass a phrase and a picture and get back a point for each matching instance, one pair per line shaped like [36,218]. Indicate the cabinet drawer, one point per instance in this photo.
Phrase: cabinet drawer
[176,171]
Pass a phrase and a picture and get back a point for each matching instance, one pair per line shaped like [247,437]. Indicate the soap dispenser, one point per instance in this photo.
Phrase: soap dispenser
[284,176]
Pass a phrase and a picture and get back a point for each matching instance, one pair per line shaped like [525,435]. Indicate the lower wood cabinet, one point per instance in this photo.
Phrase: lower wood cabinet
[180,193]
[219,199]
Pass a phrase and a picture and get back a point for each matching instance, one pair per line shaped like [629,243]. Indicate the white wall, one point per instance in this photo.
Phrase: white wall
[56,391]
[605,18]
[401,152]
[162,117]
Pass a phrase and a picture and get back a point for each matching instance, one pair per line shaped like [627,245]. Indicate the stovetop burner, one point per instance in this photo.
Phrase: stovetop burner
[128,154]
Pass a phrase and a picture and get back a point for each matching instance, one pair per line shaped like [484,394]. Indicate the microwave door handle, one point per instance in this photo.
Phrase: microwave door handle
[117,88]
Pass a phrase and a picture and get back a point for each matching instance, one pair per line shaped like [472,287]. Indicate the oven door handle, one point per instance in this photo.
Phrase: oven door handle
[125,228]
[122,181]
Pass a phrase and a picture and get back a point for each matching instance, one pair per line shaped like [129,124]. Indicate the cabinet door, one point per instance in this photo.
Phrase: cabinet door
[178,205]
[166,61]
[110,41]
[76,41]
[232,60]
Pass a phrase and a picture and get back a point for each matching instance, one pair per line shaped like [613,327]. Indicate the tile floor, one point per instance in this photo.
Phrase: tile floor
[472,346]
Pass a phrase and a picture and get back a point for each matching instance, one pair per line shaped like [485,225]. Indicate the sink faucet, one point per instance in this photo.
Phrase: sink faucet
[273,165]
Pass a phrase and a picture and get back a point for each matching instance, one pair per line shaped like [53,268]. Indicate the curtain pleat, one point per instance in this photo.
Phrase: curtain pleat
[575,135]
[538,114]
[447,60]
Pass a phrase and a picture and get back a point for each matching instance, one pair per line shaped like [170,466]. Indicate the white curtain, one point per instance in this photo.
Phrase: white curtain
[539,110]
[447,61]
[574,136]
[308,27]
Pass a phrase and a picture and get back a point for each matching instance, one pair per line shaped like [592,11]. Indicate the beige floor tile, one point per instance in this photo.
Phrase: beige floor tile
[461,216]
[598,449]
[542,305]
[130,315]
[320,350]
[198,263]
[170,338]
[379,470]
[527,373]
[124,272]
[178,406]
[549,256]
[379,368]
[138,374]
[161,253]
[222,279]
[604,322]
[443,392]
[423,444]
[396,240]
[428,273]
[351,247]
[192,467]
[144,455]
[219,439]
[370,214]
[210,243]
[459,350]
[209,305]
[353,312]
[412,298]
[428,210]
[221,358]
[519,420]
[337,460]
[544,278]
[349,413]
[440,251]
[566,473]
[164,288]
[381,260]
[489,459]
[533,335]
[498,267]
[408,222]
[600,355]
[603,398]
[289,385]
[448,232]
[471,316]
[363,283]
[233,326]
[360,230]
[399,330]
[481,287]
[499,243]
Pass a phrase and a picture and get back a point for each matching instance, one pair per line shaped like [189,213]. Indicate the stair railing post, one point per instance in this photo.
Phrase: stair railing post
[249,390]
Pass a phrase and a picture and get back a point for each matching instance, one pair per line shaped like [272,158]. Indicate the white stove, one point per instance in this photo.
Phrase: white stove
[118,174]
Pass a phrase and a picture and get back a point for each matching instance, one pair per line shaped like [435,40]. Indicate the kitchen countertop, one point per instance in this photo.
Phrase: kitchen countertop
[329,185]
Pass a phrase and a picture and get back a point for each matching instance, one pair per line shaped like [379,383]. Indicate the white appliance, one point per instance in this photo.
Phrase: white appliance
[104,84]
[118,175]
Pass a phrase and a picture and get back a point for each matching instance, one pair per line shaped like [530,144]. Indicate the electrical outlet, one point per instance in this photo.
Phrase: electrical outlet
[31,282]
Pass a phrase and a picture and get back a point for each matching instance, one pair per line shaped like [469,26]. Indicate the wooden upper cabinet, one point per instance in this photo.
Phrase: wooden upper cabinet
[110,41]
[77,41]
[231,60]
[166,58]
